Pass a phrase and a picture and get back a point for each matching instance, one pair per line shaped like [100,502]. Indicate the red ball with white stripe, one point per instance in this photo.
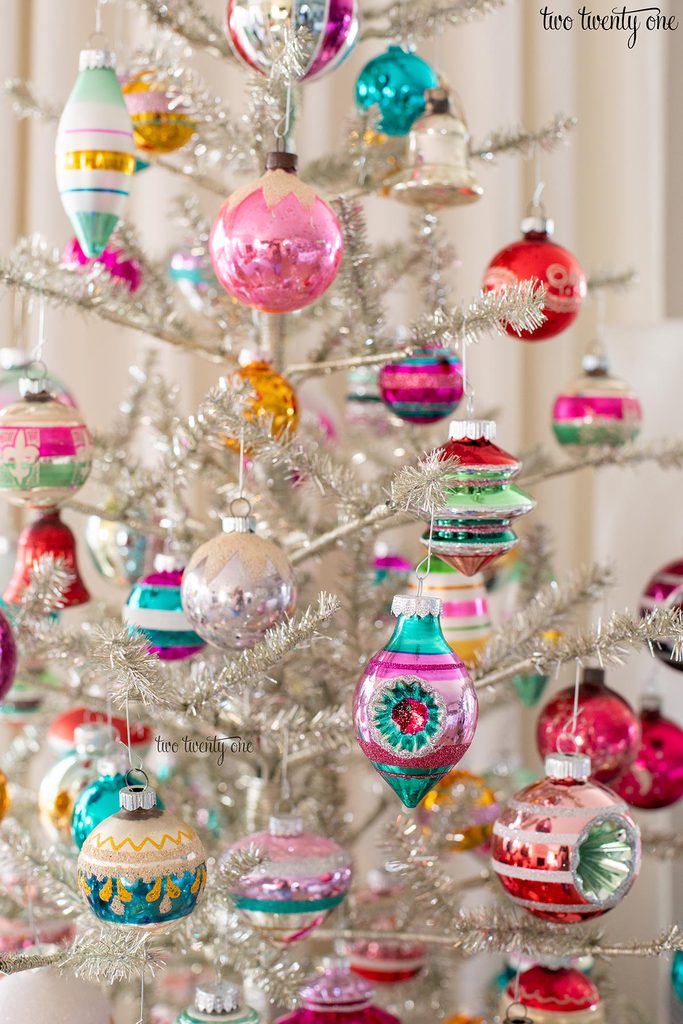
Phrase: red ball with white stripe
[565,848]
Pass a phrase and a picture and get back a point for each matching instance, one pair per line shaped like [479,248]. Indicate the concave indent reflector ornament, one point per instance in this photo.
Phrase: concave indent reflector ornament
[415,707]
[565,848]
[142,866]
[302,877]
[474,527]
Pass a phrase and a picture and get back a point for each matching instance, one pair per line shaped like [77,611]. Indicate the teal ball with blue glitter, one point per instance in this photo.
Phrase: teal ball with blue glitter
[98,801]
[395,82]
[154,608]
[677,974]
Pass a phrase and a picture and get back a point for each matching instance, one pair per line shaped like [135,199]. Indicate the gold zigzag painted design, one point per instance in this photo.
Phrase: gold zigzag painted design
[148,840]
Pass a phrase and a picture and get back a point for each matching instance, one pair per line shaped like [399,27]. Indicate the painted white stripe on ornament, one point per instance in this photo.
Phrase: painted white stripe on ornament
[460,622]
[151,618]
[302,867]
[533,874]
[529,836]
[385,965]
[588,813]
[94,202]
[566,908]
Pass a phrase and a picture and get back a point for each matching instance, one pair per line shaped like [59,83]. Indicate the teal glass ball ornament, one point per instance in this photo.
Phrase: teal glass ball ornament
[100,799]
[142,866]
[677,974]
[395,81]
[154,608]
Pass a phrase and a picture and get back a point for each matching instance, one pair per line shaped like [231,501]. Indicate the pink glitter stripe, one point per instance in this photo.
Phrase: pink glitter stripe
[576,407]
[49,441]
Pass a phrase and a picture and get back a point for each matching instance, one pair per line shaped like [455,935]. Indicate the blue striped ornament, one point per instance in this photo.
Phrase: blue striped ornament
[155,609]
[94,152]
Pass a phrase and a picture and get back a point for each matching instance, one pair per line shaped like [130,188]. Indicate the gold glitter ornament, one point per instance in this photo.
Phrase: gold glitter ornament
[161,122]
[5,799]
[459,811]
[274,401]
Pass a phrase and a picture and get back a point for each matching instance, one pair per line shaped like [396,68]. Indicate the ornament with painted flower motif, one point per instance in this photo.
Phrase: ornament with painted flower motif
[142,866]
[415,707]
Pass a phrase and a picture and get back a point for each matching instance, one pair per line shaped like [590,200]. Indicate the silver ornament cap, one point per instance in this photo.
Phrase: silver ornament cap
[96,58]
[472,430]
[568,766]
[285,825]
[137,798]
[411,604]
[224,997]
[538,224]
[169,561]
[238,524]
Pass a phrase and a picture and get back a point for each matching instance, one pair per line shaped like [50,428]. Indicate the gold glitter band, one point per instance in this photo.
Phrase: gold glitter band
[98,160]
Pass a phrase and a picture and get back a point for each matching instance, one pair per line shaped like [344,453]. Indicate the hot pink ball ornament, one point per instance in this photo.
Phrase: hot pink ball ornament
[120,266]
[655,779]
[338,997]
[665,590]
[607,728]
[275,244]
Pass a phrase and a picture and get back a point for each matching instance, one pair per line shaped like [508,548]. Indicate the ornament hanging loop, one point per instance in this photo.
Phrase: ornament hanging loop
[130,779]
[421,573]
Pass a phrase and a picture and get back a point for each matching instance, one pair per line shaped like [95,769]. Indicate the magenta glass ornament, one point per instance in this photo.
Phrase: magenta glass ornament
[120,266]
[415,707]
[275,244]
[337,997]
[665,590]
[424,387]
[302,877]
[8,655]
[597,409]
[655,779]
[607,728]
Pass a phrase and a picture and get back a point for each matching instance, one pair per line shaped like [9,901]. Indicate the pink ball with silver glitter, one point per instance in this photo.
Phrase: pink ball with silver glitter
[422,388]
[337,996]
[275,244]
[120,266]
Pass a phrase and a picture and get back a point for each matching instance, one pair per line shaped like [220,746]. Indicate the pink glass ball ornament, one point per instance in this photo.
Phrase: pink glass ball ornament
[415,707]
[655,779]
[607,728]
[337,996]
[566,849]
[302,877]
[275,244]
[119,265]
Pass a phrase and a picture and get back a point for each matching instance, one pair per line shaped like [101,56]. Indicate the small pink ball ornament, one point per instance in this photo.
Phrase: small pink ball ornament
[275,244]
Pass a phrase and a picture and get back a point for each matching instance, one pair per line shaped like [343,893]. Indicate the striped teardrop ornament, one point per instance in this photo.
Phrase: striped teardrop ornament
[465,619]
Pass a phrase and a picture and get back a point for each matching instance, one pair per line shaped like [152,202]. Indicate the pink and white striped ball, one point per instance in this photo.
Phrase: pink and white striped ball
[423,388]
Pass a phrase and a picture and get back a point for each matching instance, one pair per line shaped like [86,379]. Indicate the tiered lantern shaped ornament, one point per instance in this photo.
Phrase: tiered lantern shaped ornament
[382,961]
[218,1004]
[258,31]
[338,995]
[465,618]
[302,877]
[67,779]
[474,527]
[142,866]
[94,152]
[438,172]
[395,82]
[155,609]
[566,849]
[598,409]
[665,590]
[415,707]
[655,779]
[555,995]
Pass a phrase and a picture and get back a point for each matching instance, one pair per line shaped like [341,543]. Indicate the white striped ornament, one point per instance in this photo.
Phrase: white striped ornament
[465,618]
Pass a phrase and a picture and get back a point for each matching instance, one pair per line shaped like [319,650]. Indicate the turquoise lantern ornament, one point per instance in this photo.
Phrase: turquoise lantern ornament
[142,866]
[94,152]
[395,81]
[100,799]
[218,1004]
[155,609]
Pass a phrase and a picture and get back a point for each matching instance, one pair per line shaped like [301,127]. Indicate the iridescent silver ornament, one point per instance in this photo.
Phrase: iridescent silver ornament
[119,553]
[237,585]
[438,170]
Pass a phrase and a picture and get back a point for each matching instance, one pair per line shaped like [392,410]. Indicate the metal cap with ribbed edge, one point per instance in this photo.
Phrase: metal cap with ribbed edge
[223,997]
[137,798]
[595,364]
[285,825]
[169,561]
[96,58]
[568,766]
[412,604]
[472,430]
[536,224]
[238,524]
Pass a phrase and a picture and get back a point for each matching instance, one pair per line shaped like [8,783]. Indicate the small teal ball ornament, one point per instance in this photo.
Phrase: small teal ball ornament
[142,866]
[100,799]
[395,81]
[677,974]
[155,609]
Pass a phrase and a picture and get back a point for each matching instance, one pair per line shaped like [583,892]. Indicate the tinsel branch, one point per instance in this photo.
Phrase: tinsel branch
[133,671]
[663,845]
[374,519]
[667,453]
[522,142]
[422,488]
[617,281]
[535,557]
[188,19]
[51,872]
[49,579]
[359,283]
[424,19]
[236,865]
[113,954]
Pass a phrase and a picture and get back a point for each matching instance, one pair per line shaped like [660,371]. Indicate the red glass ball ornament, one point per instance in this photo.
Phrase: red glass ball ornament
[607,728]
[665,590]
[655,779]
[565,848]
[61,733]
[535,257]
[46,535]
[562,995]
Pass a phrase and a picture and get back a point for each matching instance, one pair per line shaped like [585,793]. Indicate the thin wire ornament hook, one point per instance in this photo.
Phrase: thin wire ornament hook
[536,206]
[421,575]
[467,388]
[281,130]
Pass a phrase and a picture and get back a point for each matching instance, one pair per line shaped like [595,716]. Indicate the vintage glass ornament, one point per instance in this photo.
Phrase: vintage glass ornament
[258,31]
[14,368]
[67,779]
[337,996]
[274,402]
[218,1004]
[94,152]
[382,961]
[566,849]
[5,796]
[237,586]
[61,733]
[191,271]
[424,387]
[677,974]
[465,1018]
[438,172]
[655,779]
[535,257]
[364,407]
[155,609]
[556,995]
[45,450]
[607,728]
[530,686]
[142,866]
[8,655]
[275,244]
[119,266]
[395,81]
[597,409]
[46,535]
[45,994]
[22,702]
[415,707]
[665,590]
[161,120]
[389,568]
[459,812]
[302,877]
[100,798]
[474,527]
[120,553]
[465,618]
